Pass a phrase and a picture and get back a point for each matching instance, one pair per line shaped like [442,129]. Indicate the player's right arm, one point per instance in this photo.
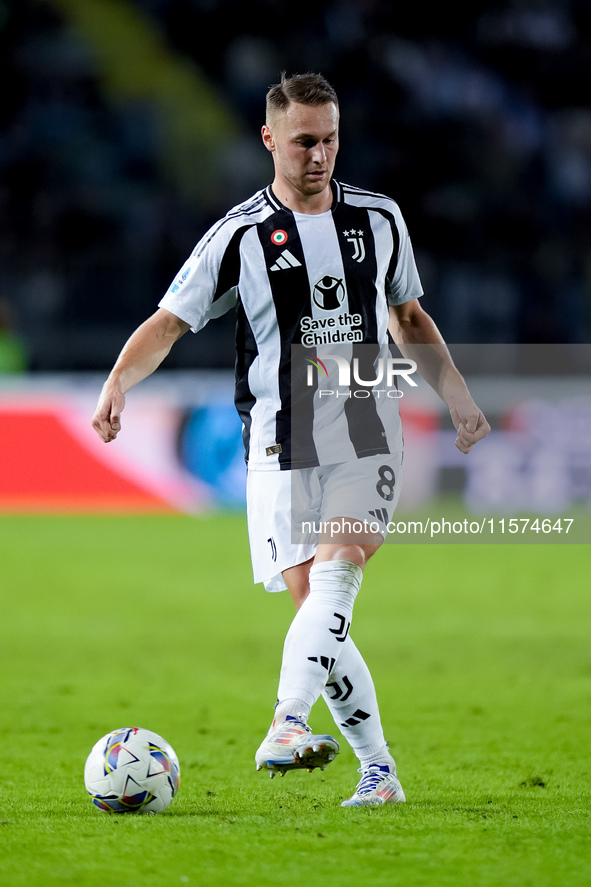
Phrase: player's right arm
[141,355]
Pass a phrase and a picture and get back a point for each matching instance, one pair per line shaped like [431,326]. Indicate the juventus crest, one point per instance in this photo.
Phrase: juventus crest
[356,238]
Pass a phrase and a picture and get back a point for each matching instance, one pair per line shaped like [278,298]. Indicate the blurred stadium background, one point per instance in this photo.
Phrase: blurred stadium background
[127,127]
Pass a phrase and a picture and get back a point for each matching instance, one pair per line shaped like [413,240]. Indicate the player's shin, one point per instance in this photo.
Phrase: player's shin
[351,698]
[317,635]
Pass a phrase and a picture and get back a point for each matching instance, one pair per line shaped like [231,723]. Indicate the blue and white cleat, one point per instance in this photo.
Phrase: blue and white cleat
[378,785]
[291,745]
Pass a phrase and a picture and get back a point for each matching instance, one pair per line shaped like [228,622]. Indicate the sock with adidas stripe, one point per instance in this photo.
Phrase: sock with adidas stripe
[351,698]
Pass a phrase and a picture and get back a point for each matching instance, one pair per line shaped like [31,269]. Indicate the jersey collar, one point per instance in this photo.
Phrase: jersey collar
[276,203]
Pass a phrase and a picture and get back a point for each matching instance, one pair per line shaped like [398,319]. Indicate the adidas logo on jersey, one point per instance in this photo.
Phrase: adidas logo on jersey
[286,260]
[381,514]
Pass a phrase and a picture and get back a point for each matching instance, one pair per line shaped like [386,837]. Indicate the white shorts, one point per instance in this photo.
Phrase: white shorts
[288,510]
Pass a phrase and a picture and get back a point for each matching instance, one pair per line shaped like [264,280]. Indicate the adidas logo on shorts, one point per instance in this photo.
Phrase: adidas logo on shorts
[381,514]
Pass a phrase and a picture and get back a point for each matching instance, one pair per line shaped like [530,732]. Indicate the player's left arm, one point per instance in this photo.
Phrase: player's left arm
[418,338]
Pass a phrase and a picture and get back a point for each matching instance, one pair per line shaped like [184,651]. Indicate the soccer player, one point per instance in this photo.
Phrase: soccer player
[309,261]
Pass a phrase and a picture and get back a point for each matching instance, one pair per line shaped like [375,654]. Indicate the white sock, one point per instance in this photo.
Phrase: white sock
[297,708]
[383,758]
[351,698]
[318,633]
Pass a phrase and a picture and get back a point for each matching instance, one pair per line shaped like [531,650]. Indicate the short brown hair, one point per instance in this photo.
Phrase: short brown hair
[306,89]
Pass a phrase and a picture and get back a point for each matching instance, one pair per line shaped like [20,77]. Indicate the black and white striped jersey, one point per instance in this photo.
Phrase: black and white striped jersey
[317,282]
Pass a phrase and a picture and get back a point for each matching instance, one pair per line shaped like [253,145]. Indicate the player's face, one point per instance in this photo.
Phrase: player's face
[304,140]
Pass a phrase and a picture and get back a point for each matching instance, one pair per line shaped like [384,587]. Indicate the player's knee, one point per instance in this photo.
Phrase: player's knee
[354,553]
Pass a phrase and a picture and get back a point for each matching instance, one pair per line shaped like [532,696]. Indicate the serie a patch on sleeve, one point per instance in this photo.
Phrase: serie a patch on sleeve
[272,451]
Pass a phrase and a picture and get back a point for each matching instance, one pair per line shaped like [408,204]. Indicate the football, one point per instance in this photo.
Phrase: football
[132,770]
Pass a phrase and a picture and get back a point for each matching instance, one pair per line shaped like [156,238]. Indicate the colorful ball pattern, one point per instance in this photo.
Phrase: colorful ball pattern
[132,770]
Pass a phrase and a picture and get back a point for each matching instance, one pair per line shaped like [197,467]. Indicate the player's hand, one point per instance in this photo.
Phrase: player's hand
[107,416]
[470,425]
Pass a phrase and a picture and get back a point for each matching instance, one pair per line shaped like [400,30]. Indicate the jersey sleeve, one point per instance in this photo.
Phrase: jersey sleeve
[403,283]
[207,284]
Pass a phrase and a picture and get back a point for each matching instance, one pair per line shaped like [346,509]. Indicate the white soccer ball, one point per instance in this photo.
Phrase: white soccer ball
[132,771]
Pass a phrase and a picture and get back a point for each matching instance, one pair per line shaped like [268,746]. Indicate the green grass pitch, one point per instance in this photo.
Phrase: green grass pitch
[480,654]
